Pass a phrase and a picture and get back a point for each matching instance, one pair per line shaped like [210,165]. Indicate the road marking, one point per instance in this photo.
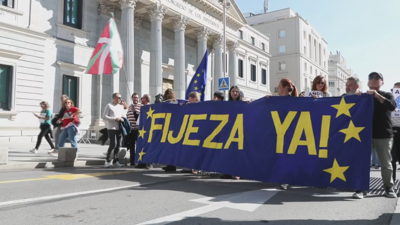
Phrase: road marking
[70,176]
[247,201]
[54,197]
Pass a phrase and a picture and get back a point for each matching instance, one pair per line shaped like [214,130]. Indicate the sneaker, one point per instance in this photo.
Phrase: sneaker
[117,164]
[377,167]
[359,195]
[54,154]
[52,151]
[34,151]
[107,164]
[284,186]
[389,192]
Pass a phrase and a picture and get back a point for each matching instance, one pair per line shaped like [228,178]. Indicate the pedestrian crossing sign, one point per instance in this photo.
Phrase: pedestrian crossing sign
[223,83]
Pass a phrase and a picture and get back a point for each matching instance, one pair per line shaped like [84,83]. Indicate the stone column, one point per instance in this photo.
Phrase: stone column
[126,78]
[156,12]
[218,67]
[233,67]
[179,55]
[202,36]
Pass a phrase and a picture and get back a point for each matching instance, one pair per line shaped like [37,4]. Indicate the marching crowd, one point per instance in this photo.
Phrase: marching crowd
[122,124]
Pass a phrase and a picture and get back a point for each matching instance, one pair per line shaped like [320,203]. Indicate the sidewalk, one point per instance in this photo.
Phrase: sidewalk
[19,157]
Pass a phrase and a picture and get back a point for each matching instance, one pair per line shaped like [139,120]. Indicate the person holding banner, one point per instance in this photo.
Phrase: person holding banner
[169,97]
[319,88]
[218,96]
[396,129]
[382,132]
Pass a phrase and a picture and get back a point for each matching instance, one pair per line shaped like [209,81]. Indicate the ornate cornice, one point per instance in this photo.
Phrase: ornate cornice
[105,7]
[218,41]
[232,46]
[139,20]
[156,11]
[180,22]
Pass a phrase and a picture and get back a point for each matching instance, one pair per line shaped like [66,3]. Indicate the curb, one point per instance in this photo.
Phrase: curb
[44,165]
[396,214]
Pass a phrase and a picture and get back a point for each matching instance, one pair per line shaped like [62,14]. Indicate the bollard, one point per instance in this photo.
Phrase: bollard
[67,154]
[3,156]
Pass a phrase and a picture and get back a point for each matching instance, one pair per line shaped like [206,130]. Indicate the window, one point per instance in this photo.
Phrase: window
[282,49]
[73,13]
[310,69]
[305,66]
[282,33]
[253,41]
[71,88]
[282,66]
[8,3]
[253,72]
[305,50]
[305,84]
[240,34]
[240,69]
[316,72]
[263,46]
[263,76]
[304,34]
[5,87]
[276,89]
[331,84]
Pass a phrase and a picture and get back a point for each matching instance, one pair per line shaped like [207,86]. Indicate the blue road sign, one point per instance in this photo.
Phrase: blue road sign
[223,83]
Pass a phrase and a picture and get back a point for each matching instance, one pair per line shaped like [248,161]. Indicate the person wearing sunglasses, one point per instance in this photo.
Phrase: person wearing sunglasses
[113,114]
[319,84]
[382,132]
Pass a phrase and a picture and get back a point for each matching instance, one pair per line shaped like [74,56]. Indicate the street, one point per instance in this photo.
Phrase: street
[95,195]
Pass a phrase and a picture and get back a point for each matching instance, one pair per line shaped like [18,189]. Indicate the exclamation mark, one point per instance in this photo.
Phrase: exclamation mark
[323,142]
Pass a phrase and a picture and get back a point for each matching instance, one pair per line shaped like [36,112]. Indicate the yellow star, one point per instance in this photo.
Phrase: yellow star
[150,113]
[352,132]
[195,81]
[343,108]
[337,171]
[195,88]
[142,132]
[200,94]
[198,75]
[141,154]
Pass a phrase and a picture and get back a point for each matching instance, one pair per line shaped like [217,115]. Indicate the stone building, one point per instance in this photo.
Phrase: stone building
[45,46]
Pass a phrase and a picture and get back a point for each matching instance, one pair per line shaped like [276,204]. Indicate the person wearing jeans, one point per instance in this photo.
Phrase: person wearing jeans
[382,132]
[57,124]
[45,128]
[113,114]
[69,126]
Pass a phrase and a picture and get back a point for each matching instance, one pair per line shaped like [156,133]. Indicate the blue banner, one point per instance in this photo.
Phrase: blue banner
[322,142]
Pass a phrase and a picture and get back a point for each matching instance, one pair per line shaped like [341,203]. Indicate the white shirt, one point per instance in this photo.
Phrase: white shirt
[111,112]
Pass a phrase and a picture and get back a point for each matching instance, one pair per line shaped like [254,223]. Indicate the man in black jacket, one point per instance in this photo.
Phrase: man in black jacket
[382,133]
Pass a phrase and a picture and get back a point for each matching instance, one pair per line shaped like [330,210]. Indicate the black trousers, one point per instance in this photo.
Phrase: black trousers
[45,130]
[133,136]
[395,150]
[115,142]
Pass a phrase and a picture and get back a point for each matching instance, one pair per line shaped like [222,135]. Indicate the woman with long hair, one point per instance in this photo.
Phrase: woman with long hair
[57,125]
[319,84]
[69,127]
[169,97]
[45,126]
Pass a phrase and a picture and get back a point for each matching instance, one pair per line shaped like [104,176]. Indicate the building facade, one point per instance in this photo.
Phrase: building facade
[298,51]
[45,46]
[338,74]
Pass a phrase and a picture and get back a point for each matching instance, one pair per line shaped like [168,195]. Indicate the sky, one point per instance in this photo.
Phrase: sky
[365,32]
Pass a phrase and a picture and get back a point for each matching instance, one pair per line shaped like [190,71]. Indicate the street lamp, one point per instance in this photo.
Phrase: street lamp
[225,5]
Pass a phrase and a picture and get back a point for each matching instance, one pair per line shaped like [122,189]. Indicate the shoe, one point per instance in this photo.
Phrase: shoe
[169,168]
[359,195]
[389,192]
[377,167]
[107,164]
[117,164]
[186,171]
[52,152]
[150,166]
[34,151]
[226,176]
[284,186]
[236,178]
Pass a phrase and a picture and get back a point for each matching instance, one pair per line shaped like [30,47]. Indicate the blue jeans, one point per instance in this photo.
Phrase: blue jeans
[70,133]
[375,160]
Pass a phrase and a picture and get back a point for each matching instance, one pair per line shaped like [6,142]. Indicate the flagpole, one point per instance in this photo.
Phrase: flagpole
[101,96]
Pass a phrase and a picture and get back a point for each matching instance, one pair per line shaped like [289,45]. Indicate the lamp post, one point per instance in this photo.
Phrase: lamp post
[225,5]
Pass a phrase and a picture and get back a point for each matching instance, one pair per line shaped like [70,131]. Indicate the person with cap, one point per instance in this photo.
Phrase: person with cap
[218,96]
[382,133]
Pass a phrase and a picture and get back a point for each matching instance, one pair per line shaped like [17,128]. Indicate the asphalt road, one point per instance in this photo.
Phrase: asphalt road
[131,196]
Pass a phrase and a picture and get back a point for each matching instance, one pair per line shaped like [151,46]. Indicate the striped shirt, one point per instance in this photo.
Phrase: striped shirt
[130,115]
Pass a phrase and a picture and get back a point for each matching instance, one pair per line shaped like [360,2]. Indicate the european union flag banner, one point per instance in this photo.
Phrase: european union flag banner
[322,142]
[199,80]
